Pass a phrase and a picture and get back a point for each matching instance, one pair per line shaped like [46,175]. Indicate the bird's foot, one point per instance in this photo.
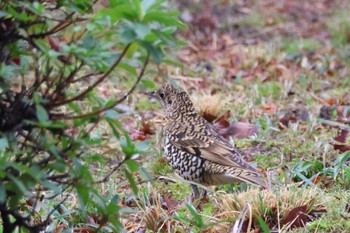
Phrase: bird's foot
[195,192]
[204,193]
[196,195]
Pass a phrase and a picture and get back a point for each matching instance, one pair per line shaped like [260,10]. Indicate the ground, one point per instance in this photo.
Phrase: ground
[274,77]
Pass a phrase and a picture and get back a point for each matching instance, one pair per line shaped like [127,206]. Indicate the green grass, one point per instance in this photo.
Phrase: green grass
[303,73]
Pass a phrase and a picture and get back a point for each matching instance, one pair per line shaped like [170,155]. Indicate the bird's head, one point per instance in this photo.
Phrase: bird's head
[174,100]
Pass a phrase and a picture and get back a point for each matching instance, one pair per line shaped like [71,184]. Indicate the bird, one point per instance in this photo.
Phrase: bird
[195,150]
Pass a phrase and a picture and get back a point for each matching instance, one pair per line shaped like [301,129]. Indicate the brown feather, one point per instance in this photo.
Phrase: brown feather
[214,148]
[195,149]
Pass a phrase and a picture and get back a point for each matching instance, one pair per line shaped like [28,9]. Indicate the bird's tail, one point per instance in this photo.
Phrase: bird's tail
[238,174]
[254,178]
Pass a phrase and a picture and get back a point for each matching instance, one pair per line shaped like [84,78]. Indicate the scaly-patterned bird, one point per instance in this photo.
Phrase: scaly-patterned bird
[195,149]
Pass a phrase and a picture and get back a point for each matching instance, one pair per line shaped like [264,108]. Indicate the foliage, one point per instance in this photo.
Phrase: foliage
[54,57]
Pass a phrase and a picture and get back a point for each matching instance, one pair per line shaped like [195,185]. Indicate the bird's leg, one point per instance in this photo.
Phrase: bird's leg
[195,192]
[203,192]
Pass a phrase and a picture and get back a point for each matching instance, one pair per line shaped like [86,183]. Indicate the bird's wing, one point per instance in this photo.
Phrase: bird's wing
[204,141]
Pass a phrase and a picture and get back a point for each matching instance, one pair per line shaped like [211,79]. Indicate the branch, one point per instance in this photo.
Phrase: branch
[118,101]
[101,79]
[62,84]
[62,25]
[105,179]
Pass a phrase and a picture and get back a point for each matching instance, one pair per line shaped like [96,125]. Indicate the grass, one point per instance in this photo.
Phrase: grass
[302,74]
[257,83]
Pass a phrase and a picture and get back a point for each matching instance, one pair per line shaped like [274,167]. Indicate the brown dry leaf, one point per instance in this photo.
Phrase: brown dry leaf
[341,148]
[236,130]
[16,60]
[297,216]
[170,204]
[293,115]
[84,230]
[54,43]
[270,108]
[242,130]
[317,179]
[142,133]
[342,136]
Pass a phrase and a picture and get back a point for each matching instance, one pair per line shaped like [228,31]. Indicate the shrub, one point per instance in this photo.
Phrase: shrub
[54,54]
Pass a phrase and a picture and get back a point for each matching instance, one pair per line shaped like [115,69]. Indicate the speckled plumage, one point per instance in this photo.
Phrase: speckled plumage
[194,149]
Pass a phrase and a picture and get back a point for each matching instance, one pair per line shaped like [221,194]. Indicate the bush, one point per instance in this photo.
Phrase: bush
[54,54]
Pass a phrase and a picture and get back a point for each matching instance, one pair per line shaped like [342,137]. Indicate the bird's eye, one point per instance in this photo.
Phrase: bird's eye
[161,95]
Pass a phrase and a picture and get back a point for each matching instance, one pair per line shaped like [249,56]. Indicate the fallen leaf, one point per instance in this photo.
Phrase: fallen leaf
[84,230]
[54,43]
[16,60]
[241,130]
[270,108]
[170,204]
[342,136]
[297,217]
[316,179]
[341,148]
[293,115]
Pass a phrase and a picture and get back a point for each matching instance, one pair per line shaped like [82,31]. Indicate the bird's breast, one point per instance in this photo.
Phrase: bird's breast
[188,166]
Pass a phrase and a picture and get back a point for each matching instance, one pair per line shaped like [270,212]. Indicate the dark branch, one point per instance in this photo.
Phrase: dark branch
[116,102]
[101,79]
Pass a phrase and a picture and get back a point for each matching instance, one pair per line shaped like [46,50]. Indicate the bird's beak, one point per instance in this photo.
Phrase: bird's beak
[152,94]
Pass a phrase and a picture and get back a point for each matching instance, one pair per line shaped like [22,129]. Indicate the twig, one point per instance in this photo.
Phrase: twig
[105,179]
[101,79]
[118,101]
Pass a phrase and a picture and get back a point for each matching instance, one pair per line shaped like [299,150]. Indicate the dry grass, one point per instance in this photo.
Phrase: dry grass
[272,206]
[211,107]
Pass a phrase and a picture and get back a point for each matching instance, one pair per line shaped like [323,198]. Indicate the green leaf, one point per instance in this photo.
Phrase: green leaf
[83,195]
[114,129]
[132,182]
[194,213]
[2,193]
[41,113]
[165,18]
[112,208]
[121,11]
[101,203]
[263,225]
[74,107]
[156,53]
[128,147]
[18,183]
[3,143]
[149,4]
[132,165]
[23,16]
[132,31]
[139,9]
[112,114]
[127,67]
[304,178]
[167,39]
[148,83]
[127,35]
